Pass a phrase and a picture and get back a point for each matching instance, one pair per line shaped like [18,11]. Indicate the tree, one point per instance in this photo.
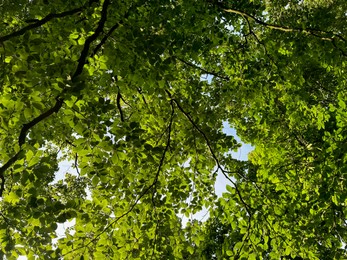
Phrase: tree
[135,93]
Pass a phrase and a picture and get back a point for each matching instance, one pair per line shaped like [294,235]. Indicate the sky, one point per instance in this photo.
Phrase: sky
[241,154]
[221,181]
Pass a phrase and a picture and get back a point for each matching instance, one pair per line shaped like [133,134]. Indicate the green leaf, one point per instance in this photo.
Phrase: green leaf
[119,119]
[8,59]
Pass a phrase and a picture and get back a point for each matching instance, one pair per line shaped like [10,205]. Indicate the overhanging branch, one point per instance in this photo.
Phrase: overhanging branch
[59,100]
[321,34]
[112,29]
[90,39]
[39,23]
[26,127]
[219,166]
[119,106]
[215,74]
[310,31]
[145,191]
[169,128]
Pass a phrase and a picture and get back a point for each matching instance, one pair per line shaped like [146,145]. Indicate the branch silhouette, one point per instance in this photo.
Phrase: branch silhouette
[59,100]
[39,23]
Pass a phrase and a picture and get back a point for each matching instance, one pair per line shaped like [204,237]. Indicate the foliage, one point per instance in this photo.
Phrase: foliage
[135,93]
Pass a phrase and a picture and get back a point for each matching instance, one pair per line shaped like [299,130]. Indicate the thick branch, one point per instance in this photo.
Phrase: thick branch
[22,137]
[90,39]
[81,63]
[4,168]
[59,101]
[119,106]
[106,36]
[112,29]
[38,119]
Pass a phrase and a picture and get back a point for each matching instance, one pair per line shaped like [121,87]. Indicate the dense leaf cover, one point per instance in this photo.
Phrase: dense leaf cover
[135,93]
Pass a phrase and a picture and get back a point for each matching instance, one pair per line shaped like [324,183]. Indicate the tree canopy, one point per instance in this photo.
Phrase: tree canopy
[135,94]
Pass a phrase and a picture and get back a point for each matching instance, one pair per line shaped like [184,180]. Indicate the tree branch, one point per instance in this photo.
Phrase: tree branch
[141,195]
[166,148]
[59,100]
[202,69]
[113,28]
[106,36]
[119,96]
[22,137]
[90,39]
[139,90]
[310,31]
[26,127]
[219,166]
[38,23]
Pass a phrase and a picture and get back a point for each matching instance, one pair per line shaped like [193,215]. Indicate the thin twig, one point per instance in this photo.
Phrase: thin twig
[247,207]
[139,90]
[139,198]
[76,165]
[215,74]
[321,34]
[169,128]
[309,31]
